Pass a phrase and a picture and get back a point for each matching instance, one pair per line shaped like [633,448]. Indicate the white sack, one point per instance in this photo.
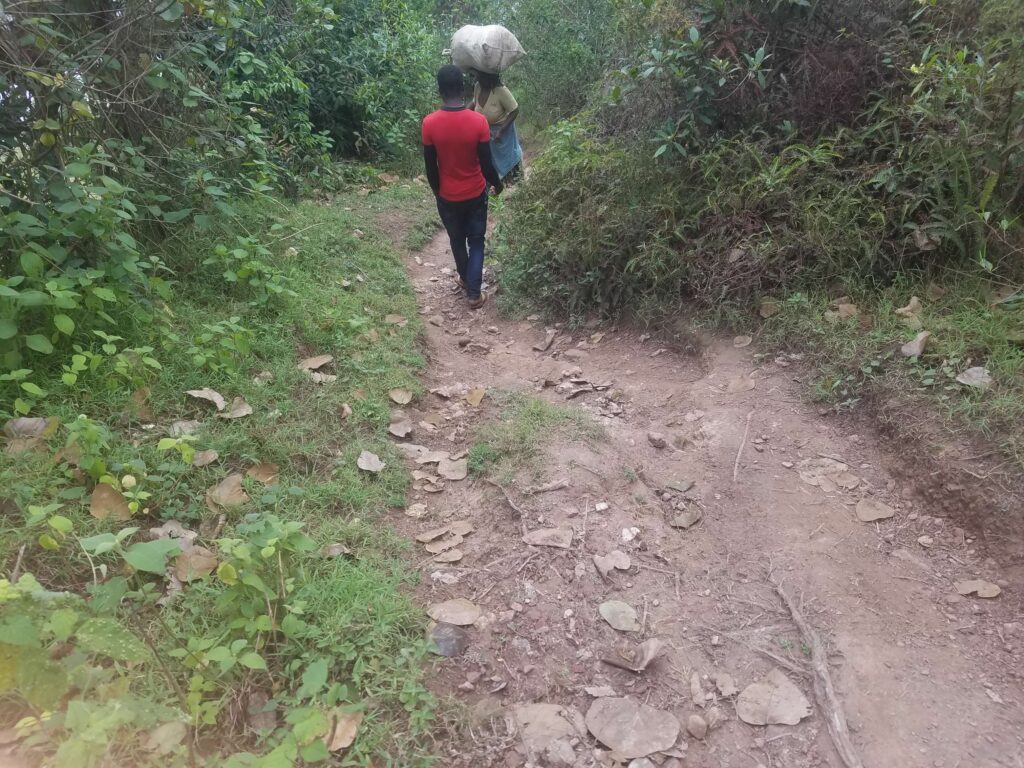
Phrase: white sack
[487,49]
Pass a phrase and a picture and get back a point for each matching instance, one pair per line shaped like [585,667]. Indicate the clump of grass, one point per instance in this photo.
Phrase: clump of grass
[516,443]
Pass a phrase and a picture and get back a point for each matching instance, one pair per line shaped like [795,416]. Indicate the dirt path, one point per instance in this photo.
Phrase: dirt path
[928,678]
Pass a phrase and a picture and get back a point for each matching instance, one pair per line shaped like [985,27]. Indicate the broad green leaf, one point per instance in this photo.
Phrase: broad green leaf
[32,263]
[61,524]
[19,630]
[8,328]
[81,109]
[252,660]
[39,343]
[47,542]
[77,169]
[41,681]
[173,12]
[151,556]
[99,544]
[226,572]
[32,389]
[64,324]
[61,623]
[111,638]
[104,293]
[314,678]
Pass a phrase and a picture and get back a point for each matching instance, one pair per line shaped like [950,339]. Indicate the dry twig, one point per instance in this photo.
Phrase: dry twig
[739,451]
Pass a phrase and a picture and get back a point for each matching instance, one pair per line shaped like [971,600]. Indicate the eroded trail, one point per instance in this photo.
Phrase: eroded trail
[770,490]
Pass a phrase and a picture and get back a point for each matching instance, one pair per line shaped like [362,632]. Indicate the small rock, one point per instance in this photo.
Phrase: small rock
[687,518]
[601,506]
[575,354]
[697,726]
[656,439]
[560,753]
[436,320]
[641,762]
[925,541]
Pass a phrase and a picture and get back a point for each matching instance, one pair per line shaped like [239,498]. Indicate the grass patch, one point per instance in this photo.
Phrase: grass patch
[516,442]
[313,635]
[967,329]
[419,235]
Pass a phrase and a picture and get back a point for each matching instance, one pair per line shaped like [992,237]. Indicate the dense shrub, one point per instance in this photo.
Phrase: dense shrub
[714,171]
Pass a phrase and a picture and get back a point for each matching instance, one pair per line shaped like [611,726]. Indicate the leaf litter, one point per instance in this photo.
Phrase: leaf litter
[978,587]
[210,396]
[619,615]
[774,700]
[630,728]
[400,396]
[264,472]
[641,658]
[204,458]
[614,560]
[238,409]
[370,462]
[107,501]
[458,611]
[228,493]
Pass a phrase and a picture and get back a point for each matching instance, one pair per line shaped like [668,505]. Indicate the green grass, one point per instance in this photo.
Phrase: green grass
[359,607]
[516,443]
[857,364]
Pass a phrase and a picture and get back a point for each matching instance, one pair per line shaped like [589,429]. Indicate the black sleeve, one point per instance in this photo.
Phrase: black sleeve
[483,151]
[430,161]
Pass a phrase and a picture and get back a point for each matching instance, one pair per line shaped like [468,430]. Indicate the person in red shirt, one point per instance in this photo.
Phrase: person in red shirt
[457,154]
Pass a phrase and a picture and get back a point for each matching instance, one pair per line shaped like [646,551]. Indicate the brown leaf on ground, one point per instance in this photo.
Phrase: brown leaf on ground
[842,311]
[439,546]
[204,458]
[237,410]
[313,363]
[742,341]
[774,700]
[458,611]
[398,320]
[401,396]
[107,501]
[641,658]
[344,727]
[194,564]
[182,428]
[630,728]
[335,550]
[451,556]
[913,308]
[31,426]
[978,587]
[453,470]
[401,424]
[475,396]
[264,472]
[138,405]
[769,307]
[228,492]
[209,395]
[828,474]
[619,615]
[370,462]
[346,410]
[976,378]
[740,383]
[416,510]
[549,337]
[915,348]
[322,378]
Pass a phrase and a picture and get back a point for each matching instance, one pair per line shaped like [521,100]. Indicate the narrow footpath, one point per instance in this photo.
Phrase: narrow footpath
[724,494]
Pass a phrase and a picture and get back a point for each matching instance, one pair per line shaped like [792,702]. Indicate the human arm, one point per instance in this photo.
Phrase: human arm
[507,123]
[510,108]
[483,151]
[430,159]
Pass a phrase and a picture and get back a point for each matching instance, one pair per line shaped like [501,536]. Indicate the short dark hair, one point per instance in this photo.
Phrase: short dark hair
[450,82]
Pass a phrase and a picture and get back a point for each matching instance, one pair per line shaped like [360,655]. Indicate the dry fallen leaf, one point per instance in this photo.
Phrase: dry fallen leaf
[774,700]
[433,533]
[370,462]
[828,474]
[238,409]
[475,396]
[740,383]
[977,378]
[398,320]
[978,587]
[107,501]
[401,424]
[439,546]
[630,728]
[619,615]
[322,378]
[769,307]
[313,363]
[204,458]
[194,564]
[451,556]
[742,341]
[228,492]
[344,729]
[265,473]
[416,510]
[725,684]
[915,348]
[458,611]
[842,311]
[869,510]
[600,691]
[645,653]
[913,308]
[182,428]
[346,410]
[210,395]
[401,396]
[138,405]
[31,426]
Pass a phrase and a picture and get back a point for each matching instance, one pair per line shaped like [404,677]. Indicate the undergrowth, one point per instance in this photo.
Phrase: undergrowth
[273,640]
[516,442]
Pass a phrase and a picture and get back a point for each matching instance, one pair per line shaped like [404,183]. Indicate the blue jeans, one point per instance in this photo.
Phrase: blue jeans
[466,223]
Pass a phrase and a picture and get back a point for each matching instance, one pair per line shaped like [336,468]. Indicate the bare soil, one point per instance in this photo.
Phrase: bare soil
[927,678]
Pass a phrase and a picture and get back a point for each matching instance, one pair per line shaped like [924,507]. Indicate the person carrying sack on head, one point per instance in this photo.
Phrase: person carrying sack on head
[493,100]
[457,155]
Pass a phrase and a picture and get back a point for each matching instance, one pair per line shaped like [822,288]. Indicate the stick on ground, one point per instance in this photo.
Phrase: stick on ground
[739,452]
[823,688]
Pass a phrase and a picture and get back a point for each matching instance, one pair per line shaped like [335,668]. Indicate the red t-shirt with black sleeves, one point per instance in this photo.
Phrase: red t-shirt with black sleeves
[455,134]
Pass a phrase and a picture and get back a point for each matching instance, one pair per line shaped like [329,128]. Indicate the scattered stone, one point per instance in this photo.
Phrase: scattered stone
[545,345]
[614,560]
[448,640]
[600,691]
[774,700]
[575,354]
[656,439]
[687,518]
[628,534]
[697,726]
[437,320]
[550,537]
[601,506]
[925,541]
[869,510]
